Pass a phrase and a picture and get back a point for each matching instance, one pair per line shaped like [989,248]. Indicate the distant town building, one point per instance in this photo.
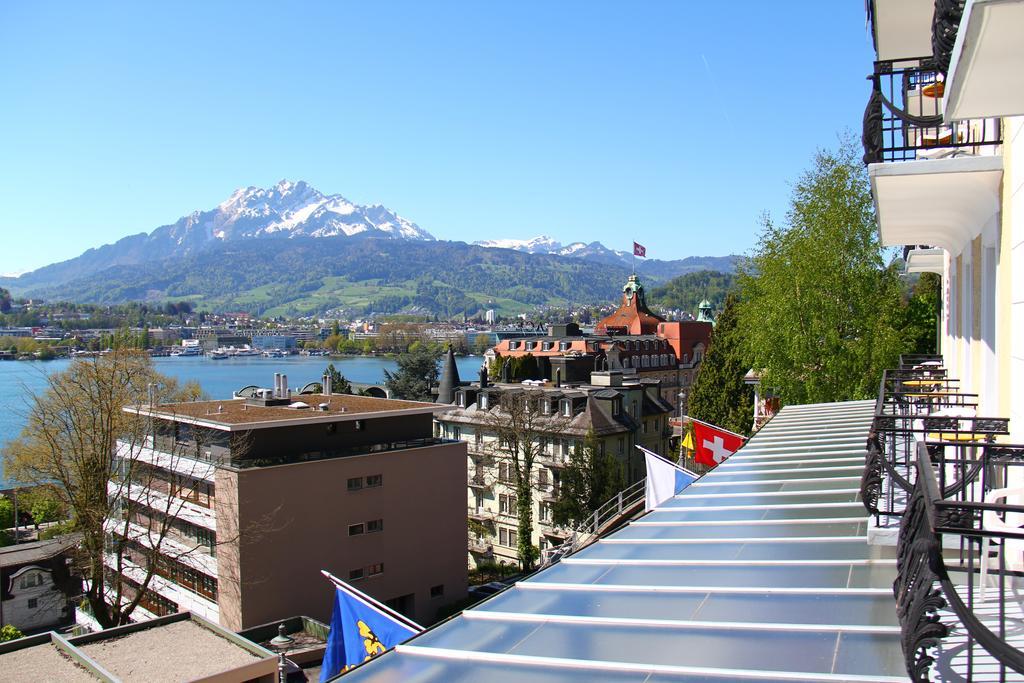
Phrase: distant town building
[489,316]
[37,587]
[631,338]
[617,407]
[276,487]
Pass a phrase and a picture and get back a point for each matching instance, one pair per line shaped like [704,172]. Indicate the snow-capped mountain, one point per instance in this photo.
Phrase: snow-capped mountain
[542,244]
[290,210]
[286,210]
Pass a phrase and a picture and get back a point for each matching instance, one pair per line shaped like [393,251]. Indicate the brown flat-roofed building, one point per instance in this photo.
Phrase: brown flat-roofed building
[275,487]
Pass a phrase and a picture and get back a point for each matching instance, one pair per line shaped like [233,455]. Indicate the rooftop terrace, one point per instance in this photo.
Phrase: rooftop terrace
[238,414]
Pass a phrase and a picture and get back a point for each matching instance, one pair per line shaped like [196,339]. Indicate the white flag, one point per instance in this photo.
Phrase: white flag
[664,479]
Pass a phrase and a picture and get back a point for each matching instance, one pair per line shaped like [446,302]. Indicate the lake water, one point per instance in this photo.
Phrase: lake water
[19,380]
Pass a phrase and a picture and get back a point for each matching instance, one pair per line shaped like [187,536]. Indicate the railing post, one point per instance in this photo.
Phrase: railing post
[620,498]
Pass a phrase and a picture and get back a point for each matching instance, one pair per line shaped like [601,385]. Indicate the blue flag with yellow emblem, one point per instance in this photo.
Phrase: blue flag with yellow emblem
[359,631]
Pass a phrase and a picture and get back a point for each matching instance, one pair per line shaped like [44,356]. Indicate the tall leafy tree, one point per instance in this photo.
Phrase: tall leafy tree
[417,370]
[819,308]
[922,311]
[719,395]
[589,480]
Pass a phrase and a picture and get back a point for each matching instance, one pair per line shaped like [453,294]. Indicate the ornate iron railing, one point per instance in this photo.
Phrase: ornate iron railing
[903,117]
[932,590]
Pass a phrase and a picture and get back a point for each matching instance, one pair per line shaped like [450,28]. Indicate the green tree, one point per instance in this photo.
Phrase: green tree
[922,312]
[6,512]
[8,632]
[588,481]
[339,384]
[45,508]
[5,301]
[819,311]
[417,371]
[719,395]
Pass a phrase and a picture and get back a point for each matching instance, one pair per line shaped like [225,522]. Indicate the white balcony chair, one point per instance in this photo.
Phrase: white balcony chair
[1013,548]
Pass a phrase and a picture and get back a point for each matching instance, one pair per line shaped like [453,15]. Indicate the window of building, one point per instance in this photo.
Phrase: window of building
[513,345]
[544,513]
[374,480]
[542,479]
[478,438]
[502,536]
[505,504]
[375,569]
[355,483]
[622,445]
[531,345]
[437,591]
[460,398]
[374,525]
[625,362]
[30,580]
[504,472]
[563,346]
[482,402]
[616,407]
[645,426]
[566,408]
[355,529]
[545,407]
[456,433]
[33,603]
[657,422]
[513,538]
[355,574]
[546,346]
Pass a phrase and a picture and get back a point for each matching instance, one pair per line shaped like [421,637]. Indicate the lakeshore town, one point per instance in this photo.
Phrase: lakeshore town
[816,477]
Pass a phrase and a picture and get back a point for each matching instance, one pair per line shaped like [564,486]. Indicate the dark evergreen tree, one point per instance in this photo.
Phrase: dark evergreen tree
[719,395]
[589,480]
[339,383]
[417,371]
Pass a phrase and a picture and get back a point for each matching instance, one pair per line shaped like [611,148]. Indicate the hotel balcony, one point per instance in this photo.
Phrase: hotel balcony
[941,126]
[479,481]
[481,547]
[482,514]
[904,117]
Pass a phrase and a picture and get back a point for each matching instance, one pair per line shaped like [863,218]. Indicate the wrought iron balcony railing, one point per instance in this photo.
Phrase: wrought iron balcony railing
[948,626]
[903,118]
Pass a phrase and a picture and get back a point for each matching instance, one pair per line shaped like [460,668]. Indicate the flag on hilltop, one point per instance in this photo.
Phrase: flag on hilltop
[714,444]
[664,479]
[360,629]
[639,250]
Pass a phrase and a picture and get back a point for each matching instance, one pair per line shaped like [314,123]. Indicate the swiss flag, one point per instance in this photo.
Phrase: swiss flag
[639,250]
[714,445]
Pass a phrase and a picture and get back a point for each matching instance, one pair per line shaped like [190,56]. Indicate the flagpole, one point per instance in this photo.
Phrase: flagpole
[721,429]
[371,602]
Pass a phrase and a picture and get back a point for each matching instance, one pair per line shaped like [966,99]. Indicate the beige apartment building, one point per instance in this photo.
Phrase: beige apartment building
[618,408]
[271,489]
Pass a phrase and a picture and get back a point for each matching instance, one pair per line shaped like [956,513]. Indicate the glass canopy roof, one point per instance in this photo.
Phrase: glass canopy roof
[758,571]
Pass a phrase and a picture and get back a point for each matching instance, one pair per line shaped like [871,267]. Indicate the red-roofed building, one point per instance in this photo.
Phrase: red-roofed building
[632,339]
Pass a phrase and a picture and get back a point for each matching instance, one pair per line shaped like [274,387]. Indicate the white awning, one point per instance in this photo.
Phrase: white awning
[986,73]
[903,28]
[943,202]
[926,261]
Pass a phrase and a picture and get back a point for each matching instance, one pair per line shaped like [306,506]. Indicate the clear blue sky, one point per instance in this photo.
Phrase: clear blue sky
[674,123]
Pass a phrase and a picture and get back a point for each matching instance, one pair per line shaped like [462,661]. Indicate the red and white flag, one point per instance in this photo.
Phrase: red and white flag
[639,250]
[714,444]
